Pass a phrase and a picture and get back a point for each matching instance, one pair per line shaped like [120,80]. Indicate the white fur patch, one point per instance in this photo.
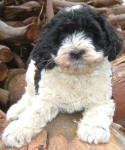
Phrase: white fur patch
[79,41]
[76,90]
[30,74]
[75,7]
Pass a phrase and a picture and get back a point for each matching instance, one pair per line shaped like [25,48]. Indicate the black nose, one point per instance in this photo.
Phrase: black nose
[76,54]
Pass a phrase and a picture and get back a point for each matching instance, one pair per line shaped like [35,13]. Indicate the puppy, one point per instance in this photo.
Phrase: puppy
[69,71]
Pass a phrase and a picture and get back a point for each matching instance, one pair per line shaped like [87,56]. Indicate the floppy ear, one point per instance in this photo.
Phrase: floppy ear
[41,52]
[113,41]
[42,56]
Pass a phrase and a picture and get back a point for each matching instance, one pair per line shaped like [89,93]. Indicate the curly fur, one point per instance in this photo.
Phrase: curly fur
[57,82]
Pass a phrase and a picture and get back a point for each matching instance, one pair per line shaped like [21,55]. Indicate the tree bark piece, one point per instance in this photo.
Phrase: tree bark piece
[116,10]
[101,3]
[19,61]
[3,124]
[17,34]
[119,87]
[1,7]
[58,142]
[15,84]
[121,33]
[6,54]
[21,12]
[4,96]
[15,23]
[3,71]
[16,88]
[77,0]
[2,4]
[33,32]
[2,115]
[117,20]
[7,32]
[39,141]
[27,21]
[8,2]
[30,20]
[49,10]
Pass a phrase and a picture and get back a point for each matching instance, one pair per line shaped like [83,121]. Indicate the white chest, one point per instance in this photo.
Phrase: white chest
[76,90]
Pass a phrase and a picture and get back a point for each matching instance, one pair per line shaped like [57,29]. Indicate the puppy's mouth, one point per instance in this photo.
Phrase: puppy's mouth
[71,65]
[77,66]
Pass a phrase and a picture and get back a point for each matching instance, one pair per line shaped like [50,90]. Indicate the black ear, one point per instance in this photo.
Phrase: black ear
[42,52]
[113,42]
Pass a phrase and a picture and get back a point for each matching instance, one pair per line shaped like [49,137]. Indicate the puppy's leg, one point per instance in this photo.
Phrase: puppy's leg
[31,121]
[21,105]
[95,125]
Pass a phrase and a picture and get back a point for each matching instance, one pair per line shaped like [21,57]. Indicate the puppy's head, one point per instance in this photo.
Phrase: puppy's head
[77,54]
[77,39]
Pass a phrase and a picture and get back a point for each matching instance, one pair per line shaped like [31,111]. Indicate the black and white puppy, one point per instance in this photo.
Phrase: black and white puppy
[70,70]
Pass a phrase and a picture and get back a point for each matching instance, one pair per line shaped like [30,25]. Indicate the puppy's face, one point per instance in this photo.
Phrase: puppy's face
[77,54]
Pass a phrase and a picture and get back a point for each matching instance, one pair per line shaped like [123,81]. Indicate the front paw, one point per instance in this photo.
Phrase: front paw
[15,135]
[93,134]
